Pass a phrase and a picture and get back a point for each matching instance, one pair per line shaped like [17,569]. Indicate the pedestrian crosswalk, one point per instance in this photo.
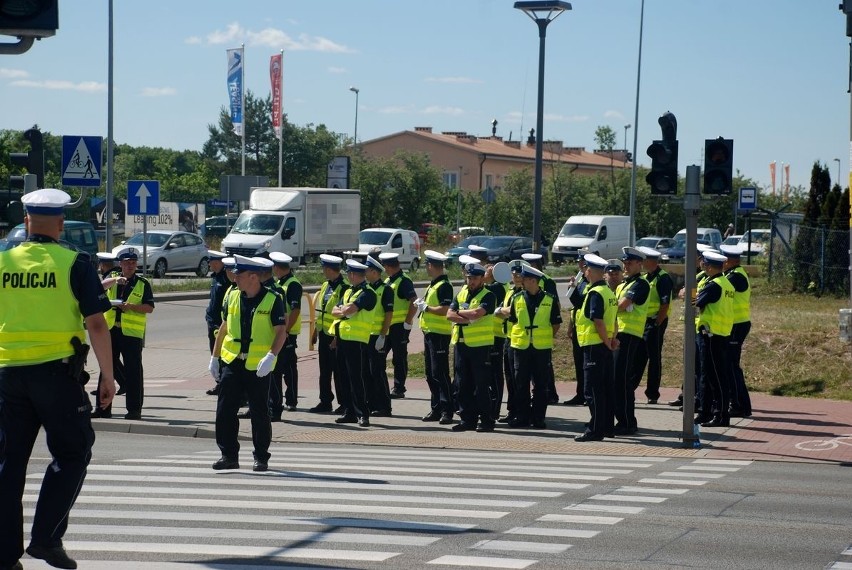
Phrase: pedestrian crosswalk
[362,507]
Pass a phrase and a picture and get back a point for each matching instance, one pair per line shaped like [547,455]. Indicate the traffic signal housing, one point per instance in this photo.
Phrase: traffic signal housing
[663,175]
[718,166]
[32,161]
[29,18]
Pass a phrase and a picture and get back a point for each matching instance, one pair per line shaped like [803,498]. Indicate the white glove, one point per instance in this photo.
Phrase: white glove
[264,367]
[630,308]
[380,342]
[420,304]
[214,368]
[406,326]
[497,311]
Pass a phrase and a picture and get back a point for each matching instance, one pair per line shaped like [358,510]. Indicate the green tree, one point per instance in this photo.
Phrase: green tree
[605,139]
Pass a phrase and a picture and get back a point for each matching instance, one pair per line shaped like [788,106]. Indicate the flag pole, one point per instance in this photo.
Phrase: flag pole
[280,112]
[243,100]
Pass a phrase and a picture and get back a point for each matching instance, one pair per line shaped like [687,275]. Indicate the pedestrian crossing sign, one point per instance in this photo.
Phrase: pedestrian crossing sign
[81,161]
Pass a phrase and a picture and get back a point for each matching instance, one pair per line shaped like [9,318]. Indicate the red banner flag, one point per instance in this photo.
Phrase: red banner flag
[275,72]
[772,175]
[787,176]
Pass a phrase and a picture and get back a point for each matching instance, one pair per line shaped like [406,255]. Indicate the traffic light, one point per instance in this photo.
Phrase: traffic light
[718,166]
[29,18]
[33,160]
[663,176]
[846,8]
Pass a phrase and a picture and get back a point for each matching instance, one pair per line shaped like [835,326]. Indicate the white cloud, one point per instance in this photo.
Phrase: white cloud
[398,110]
[333,69]
[7,73]
[235,34]
[437,110]
[158,91]
[457,80]
[613,115]
[59,85]
[192,40]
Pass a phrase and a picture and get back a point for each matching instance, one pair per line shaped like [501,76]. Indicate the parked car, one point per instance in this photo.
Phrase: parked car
[9,243]
[759,241]
[710,236]
[677,252]
[217,226]
[655,242]
[602,235]
[170,251]
[81,234]
[463,248]
[507,248]
[732,240]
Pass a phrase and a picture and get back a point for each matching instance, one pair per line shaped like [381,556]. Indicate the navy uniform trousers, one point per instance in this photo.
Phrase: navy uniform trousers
[237,382]
[436,356]
[628,374]
[473,376]
[376,377]
[31,397]
[597,376]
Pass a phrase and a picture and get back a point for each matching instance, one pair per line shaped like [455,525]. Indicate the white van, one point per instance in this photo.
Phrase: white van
[708,236]
[602,235]
[392,240]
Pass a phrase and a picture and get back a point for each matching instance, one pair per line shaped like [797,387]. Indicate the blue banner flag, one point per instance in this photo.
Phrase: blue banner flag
[235,87]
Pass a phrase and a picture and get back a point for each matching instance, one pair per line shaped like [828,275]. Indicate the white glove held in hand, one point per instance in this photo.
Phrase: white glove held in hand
[380,342]
[264,367]
[406,326]
[214,368]
[420,304]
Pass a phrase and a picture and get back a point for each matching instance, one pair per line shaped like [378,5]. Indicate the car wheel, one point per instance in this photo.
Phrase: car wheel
[415,264]
[160,268]
[203,268]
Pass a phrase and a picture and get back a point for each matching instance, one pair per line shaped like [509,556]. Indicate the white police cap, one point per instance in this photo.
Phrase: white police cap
[464,259]
[432,255]
[388,257]
[354,266]
[632,253]
[105,256]
[242,264]
[374,263]
[714,258]
[702,247]
[216,255]
[279,258]
[595,261]
[474,268]
[328,260]
[731,251]
[530,271]
[614,265]
[473,248]
[531,256]
[650,252]
[46,202]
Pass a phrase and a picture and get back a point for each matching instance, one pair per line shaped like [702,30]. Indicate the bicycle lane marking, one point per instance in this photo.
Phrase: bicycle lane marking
[825,444]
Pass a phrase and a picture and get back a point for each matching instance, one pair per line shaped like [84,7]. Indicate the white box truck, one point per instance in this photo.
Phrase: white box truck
[603,235]
[301,222]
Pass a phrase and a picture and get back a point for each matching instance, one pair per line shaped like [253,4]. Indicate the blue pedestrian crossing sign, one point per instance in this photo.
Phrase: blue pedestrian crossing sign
[143,197]
[81,161]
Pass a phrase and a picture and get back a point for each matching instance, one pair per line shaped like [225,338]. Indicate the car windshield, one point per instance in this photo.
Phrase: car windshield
[257,224]
[755,236]
[497,242]
[472,240]
[647,242]
[680,241]
[17,233]
[373,237]
[154,240]
[579,230]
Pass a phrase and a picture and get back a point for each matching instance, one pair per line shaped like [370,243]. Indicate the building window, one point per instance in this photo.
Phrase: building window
[451,179]
[489,181]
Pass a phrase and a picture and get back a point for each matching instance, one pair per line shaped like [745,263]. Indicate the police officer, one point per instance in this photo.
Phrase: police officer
[250,339]
[661,287]
[577,290]
[632,297]
[614,274]
[353,321]
[437,329]
[48,293]
[736,274]
[498,377]
[376,358]
[595,330]
[128,333]
[286,365]
[110,277]
[401,321]
[106,264]
[472,314]
[330,294]
[535,318]
[516,266]
[714,303]
[547,283]
[219,283]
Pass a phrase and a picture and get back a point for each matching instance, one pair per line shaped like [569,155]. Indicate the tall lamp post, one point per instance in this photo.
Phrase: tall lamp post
[625,139]
[542,12]
[355,90]
[837,160]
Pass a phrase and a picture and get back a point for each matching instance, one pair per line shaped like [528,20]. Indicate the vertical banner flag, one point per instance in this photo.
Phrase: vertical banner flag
[235,88]
[772,175]
[275,63]
[787,176]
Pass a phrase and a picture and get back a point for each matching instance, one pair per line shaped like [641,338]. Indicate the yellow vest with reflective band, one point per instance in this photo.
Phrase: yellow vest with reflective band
[297,326]
[325,320]
[718,316]
[430,322]
[585,330]
[132,322]
[262,331]
[631,322]
[38,312]
[500,301]
[378,311]
[356,327]
[479,332]
[700,282]
[652,305]
[742,300]
[400,306]
[540,330]
[109,316]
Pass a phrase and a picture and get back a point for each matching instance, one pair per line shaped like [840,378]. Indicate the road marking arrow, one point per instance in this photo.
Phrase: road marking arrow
[143,194]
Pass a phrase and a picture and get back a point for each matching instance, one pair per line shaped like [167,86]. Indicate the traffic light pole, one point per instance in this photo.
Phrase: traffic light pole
[691,206]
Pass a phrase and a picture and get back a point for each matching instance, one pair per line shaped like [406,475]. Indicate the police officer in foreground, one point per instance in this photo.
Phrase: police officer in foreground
[660,291]
[329,296]
[376,358]
[248,343]
[736,274]
[219,283]
[48,292]
[286,368]
[547,283]
[401,321]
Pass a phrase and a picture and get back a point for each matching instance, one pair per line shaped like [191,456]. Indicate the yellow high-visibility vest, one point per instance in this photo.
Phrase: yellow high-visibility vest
[586,332]
[262,331]
[539,332]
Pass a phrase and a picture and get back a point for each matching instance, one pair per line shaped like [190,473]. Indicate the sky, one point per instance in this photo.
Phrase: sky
[771,74]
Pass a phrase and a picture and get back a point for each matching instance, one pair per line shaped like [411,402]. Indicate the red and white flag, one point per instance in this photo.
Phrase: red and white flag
[276,63]
[772,175]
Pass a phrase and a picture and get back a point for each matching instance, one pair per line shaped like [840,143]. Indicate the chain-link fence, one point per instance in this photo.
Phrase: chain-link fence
[808,258]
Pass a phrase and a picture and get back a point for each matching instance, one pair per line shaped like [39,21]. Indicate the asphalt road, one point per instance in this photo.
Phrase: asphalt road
[150,502]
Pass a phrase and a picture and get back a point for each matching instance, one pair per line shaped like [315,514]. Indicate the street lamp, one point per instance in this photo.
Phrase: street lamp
[837,160]
[625,139]
[355,90]
[542,12]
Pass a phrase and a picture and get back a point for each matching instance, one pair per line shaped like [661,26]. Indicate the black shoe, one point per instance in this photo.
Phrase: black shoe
[397,395]
[717,422]
[290,408]
[446,419]
[463,427]
[505,419]
[94,392]
[133,416]
[347,419]
[99,413]
[553,399]
[214,391]
[538,424]
[339,410]
[575,401]
[381,414]
[676,402]
[275,418]
[624,430]
[53,555]
[259,465]
[244,415]
[121,391]
[364,422]
[485,427]
[321,409]
[739,413]
[518,423]
[431,417]
[588,437]
[16,566]
[226,463]
[652,401]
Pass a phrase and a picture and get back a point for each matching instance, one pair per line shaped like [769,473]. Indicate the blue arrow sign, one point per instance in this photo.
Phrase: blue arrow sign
[81,161]
[143,197]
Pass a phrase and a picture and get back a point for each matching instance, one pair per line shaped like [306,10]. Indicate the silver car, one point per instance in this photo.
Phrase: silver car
[170,251]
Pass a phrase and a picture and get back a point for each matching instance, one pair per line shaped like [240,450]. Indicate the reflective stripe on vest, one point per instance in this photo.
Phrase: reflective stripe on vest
[325,320]
[742,300]
[297,326]
[356,327]
[132,322]
[653,303]
[38,313]
[400,306]
[479,332]
[262,331]
[430,322]
[586,332]
[109,315]
[541,330]
[500,300]
[378,311]
[718,316]
[631,322]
